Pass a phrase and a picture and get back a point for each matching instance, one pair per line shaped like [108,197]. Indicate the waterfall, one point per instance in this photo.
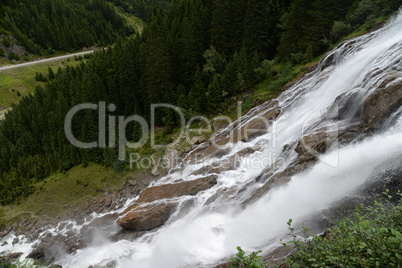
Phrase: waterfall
[208,227]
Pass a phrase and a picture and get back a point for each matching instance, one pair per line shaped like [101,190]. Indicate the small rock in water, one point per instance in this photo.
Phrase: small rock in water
[15,241]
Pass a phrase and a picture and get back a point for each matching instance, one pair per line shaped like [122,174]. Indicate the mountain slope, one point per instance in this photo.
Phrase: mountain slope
[42,26]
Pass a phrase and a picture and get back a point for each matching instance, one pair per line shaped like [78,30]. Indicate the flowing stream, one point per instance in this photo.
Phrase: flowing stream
[208,227]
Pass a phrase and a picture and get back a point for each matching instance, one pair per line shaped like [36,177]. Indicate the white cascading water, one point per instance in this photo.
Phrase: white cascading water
[216,223]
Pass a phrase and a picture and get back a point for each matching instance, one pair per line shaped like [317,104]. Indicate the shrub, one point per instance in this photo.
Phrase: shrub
[339,30]
[265,70]
[40,77]
[371,237]
[119,165]
[13,56]
[2,52]
[247,261]
[6,42]
[296,58]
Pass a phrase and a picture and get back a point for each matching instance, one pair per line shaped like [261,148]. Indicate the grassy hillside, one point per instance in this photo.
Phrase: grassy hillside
[60,192]
[18,82]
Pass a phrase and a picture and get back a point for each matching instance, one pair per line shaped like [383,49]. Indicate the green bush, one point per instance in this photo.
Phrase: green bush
[40,77]
[340,29]
[265,70]
[1,52]
[247,261]
[371,237]
[13,56]
[6,42]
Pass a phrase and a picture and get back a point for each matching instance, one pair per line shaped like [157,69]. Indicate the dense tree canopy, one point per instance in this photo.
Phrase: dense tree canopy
[40,25]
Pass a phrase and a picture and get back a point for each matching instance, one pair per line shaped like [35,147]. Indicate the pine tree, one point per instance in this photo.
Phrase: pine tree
[214,94]
[51,74]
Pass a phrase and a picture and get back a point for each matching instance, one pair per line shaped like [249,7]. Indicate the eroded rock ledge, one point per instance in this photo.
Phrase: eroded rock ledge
[155,205]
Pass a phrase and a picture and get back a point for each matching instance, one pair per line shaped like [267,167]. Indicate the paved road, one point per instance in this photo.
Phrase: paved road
[45,60]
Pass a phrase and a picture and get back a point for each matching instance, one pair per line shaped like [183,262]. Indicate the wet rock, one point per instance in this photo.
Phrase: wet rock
[125,235]
[309,147]
[142,217]
[346,106]
[387,176]
[145,215]
[5,243]
[6,231]
[209,151]
[259,125]
[380,104]
[38,252]
[246,152]
[224,265]
[278,256]
[328,61]
[13,256]
[106,220]
[275,181]
[168,191]
[240,131]
[274,176]
[202,171]
[62,226]
[47,237]
[15,241]
[225,164]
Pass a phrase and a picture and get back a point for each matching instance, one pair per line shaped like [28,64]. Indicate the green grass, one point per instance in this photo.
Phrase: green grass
[18,82]
[134,22]
[60,192]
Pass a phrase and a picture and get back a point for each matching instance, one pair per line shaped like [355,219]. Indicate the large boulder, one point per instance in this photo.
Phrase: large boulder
[310,146]
[147,214]
[380,104]
[146,217]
